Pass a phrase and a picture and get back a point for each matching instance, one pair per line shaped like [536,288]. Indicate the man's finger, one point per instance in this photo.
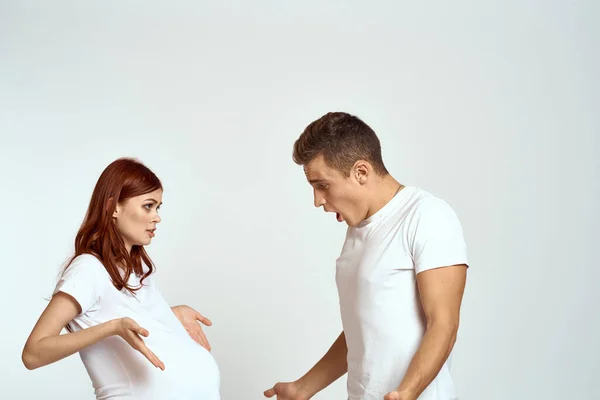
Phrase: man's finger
[391,396]
[270,392]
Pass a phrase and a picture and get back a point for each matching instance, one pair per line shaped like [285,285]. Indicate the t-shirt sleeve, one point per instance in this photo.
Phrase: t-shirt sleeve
[83,280]
[438,237]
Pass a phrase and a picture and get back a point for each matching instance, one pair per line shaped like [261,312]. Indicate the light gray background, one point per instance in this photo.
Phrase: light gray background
[492,106]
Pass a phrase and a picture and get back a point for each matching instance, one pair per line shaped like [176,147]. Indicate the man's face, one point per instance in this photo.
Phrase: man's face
[336,193]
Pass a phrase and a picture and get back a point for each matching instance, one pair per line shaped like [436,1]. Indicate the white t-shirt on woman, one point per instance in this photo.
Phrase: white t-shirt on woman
[115,368]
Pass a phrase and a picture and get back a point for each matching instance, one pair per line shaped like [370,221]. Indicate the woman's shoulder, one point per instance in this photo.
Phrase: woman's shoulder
[87,262]
[88,259]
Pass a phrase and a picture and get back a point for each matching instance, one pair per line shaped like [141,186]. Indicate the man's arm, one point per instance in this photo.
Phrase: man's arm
[441,291]
[329,368]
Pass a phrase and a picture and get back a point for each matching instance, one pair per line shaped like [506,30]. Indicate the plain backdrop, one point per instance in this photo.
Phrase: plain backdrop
[492,106]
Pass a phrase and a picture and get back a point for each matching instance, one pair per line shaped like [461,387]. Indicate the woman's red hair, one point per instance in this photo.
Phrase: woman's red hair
[121,180]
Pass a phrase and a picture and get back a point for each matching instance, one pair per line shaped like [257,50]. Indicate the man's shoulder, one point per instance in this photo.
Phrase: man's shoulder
[424,206]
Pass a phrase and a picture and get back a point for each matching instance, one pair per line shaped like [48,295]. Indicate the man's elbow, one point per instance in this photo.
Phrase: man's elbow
[446,326]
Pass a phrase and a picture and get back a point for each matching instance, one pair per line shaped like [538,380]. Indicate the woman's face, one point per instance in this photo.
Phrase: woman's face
[136,218]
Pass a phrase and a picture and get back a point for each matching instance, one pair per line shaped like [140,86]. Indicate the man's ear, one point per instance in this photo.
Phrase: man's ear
[361,171]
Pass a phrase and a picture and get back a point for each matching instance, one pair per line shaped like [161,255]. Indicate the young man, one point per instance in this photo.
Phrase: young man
[400,276]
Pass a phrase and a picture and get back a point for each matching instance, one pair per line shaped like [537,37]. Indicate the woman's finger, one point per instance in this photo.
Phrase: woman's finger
[203,319]
[204,340]
[143,332]
[152,357]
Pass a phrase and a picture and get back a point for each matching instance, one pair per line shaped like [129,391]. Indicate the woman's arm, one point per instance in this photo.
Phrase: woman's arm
[46,345]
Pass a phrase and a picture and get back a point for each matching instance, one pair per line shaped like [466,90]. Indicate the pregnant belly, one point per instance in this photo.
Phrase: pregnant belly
[190,370]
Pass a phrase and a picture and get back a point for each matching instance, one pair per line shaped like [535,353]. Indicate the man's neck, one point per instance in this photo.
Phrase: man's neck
[384,191]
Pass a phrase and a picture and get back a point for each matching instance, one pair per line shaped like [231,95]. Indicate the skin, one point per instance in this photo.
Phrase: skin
[190,319]
[136,221]
[137,217]
[353,199]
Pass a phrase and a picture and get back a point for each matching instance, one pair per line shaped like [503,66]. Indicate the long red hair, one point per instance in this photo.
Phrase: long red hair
[122,179]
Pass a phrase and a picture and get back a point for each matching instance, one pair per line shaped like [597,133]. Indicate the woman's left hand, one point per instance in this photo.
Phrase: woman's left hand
[190,319]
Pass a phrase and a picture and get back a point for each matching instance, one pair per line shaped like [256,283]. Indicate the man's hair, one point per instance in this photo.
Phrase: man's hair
[342,139]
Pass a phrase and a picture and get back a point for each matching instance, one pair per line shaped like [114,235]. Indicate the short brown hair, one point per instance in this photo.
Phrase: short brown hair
[342,139]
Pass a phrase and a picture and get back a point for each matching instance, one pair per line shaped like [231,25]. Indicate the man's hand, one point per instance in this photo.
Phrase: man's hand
[395,395]
[329,368]
[286,391]
[189,318]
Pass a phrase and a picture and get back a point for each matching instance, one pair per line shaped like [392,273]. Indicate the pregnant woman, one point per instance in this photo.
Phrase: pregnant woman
[130,340]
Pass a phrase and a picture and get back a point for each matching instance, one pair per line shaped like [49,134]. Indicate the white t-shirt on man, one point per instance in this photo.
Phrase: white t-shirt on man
[117,371]
[381,311]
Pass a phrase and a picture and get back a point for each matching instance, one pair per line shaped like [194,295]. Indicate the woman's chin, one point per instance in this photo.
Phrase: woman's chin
[143,242]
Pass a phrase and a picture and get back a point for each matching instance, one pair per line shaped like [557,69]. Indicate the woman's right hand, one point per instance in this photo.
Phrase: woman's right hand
[130,331]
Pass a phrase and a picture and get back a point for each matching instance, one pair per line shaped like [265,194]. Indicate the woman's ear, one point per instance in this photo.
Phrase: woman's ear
[117,211]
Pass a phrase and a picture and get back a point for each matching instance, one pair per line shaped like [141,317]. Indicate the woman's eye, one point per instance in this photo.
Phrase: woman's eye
[148,206]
